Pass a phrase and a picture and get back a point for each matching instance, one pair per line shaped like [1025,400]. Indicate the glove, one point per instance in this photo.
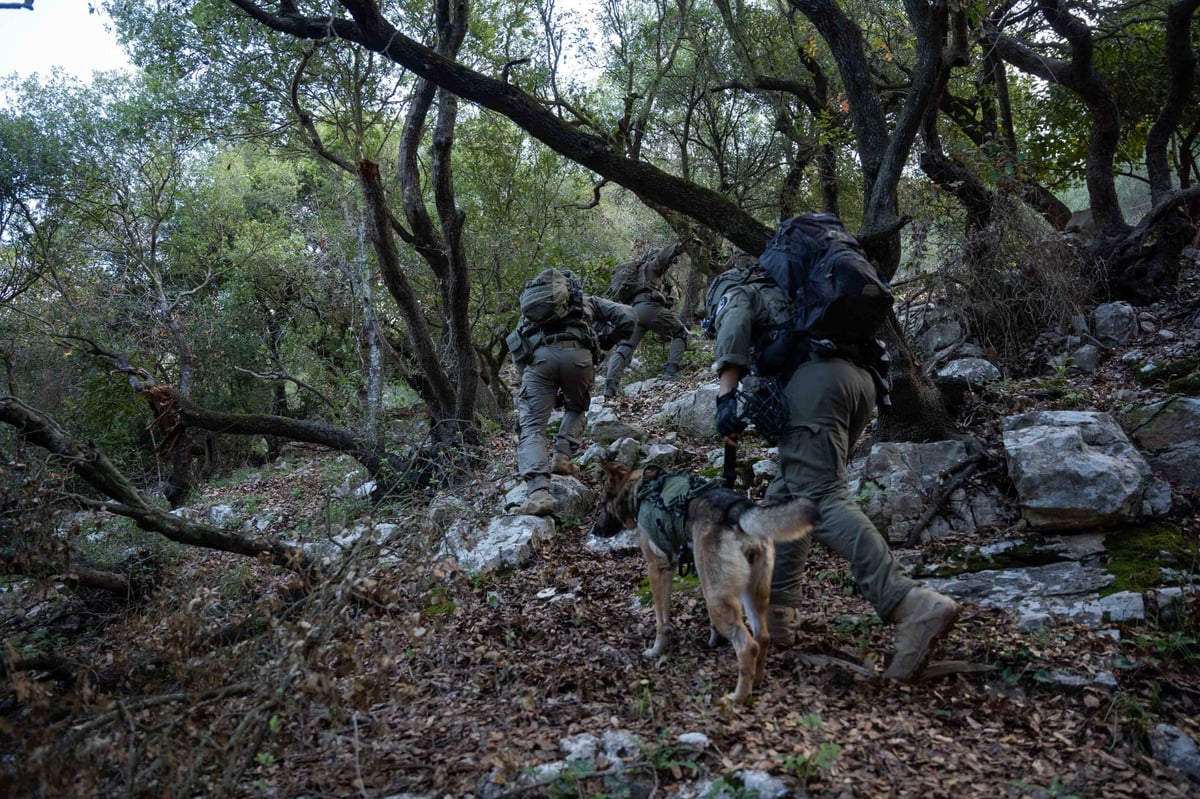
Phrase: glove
[728,422]
[607,341]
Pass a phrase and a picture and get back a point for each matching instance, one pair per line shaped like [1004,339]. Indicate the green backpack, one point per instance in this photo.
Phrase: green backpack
[627,279]
[662,502]
[551,297]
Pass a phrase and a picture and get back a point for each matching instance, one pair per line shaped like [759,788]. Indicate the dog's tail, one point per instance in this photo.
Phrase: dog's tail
[785,521]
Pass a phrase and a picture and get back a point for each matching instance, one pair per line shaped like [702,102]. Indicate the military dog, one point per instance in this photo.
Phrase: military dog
[732,540]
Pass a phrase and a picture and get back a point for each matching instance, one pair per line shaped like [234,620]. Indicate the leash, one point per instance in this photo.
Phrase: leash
[729,474]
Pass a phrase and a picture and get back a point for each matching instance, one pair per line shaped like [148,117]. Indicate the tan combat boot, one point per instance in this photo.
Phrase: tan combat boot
[538,503]
[921,618]
[782,623]
[561,463]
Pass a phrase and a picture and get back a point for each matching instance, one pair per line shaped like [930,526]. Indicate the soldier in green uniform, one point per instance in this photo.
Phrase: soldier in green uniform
[561,363]
[830,400]
[652,301]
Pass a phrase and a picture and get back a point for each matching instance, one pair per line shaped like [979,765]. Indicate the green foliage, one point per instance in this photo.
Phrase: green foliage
[104,412]
[819,762]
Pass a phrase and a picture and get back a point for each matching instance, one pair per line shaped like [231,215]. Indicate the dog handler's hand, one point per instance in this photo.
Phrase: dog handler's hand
[728,422]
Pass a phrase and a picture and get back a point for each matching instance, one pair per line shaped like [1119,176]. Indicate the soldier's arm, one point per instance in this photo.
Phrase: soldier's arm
[661,261]
[618,314]
[735,329]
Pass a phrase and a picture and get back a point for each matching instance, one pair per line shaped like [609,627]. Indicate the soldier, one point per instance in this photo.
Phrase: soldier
[557,353]
[652,297]
[830,399]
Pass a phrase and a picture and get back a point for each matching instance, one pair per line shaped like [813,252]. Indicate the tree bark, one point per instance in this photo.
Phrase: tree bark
[1181,64]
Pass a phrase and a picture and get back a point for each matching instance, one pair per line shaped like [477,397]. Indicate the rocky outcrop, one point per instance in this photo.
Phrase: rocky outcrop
[1078,469]
[1168,433]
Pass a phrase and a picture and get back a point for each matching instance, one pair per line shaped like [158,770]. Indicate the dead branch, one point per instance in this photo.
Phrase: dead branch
[191,699]
[288,378]
[94,468]
[941,493]
[113,582]
[55,665]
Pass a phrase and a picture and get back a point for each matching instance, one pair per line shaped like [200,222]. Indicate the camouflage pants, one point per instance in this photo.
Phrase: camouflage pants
[565,365]
[831,402]
[651,317]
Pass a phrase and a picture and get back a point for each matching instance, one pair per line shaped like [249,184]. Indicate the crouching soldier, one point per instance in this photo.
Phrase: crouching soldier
[556,349]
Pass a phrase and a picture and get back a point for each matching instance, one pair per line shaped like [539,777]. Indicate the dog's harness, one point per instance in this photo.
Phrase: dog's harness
[662,500]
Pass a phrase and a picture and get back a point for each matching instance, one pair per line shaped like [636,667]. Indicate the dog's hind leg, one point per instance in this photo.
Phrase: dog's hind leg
[659,570]
[755,602]
[725,613]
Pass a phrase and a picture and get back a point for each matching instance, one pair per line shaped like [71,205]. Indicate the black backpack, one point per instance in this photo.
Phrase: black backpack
[834,290]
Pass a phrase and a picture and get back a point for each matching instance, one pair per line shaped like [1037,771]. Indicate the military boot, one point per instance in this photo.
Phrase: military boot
[561,463]
[782,623]
[538,503]
[921,618]
[671,372]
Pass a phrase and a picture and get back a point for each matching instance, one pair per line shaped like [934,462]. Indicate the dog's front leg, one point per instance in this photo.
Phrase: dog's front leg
[659,572]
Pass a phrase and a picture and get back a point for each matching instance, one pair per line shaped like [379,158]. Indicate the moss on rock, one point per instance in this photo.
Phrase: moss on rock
[1136,555]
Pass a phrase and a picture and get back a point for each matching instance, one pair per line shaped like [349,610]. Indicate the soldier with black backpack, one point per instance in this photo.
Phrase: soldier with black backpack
[555,348]
[796,355]
[642,283]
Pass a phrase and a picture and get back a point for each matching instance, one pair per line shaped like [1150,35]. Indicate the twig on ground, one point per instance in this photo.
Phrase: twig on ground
[957,474]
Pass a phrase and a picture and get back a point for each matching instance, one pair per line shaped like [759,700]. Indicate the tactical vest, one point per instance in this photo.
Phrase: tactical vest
[662,502]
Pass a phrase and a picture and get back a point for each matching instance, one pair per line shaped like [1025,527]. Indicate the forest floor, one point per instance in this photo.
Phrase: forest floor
[403,676]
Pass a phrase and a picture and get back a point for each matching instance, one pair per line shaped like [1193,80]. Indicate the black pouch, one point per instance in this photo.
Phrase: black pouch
[520,346]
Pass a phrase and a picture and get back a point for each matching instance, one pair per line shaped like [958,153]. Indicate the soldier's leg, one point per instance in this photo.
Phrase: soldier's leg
[575,379]
[662,321]
[621,355]
[679,345]
[539,384]
[831,401]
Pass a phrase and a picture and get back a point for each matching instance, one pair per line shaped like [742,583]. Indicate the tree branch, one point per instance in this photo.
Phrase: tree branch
[94,468]
[368,28]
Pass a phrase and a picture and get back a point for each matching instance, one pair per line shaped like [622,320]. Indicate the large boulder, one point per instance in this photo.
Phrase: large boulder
[898,481]
[1168,434]
[572,499]
[508,541]
[1115,323]
[605,427]
[1077,469]
[694,415]
[1039,595]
